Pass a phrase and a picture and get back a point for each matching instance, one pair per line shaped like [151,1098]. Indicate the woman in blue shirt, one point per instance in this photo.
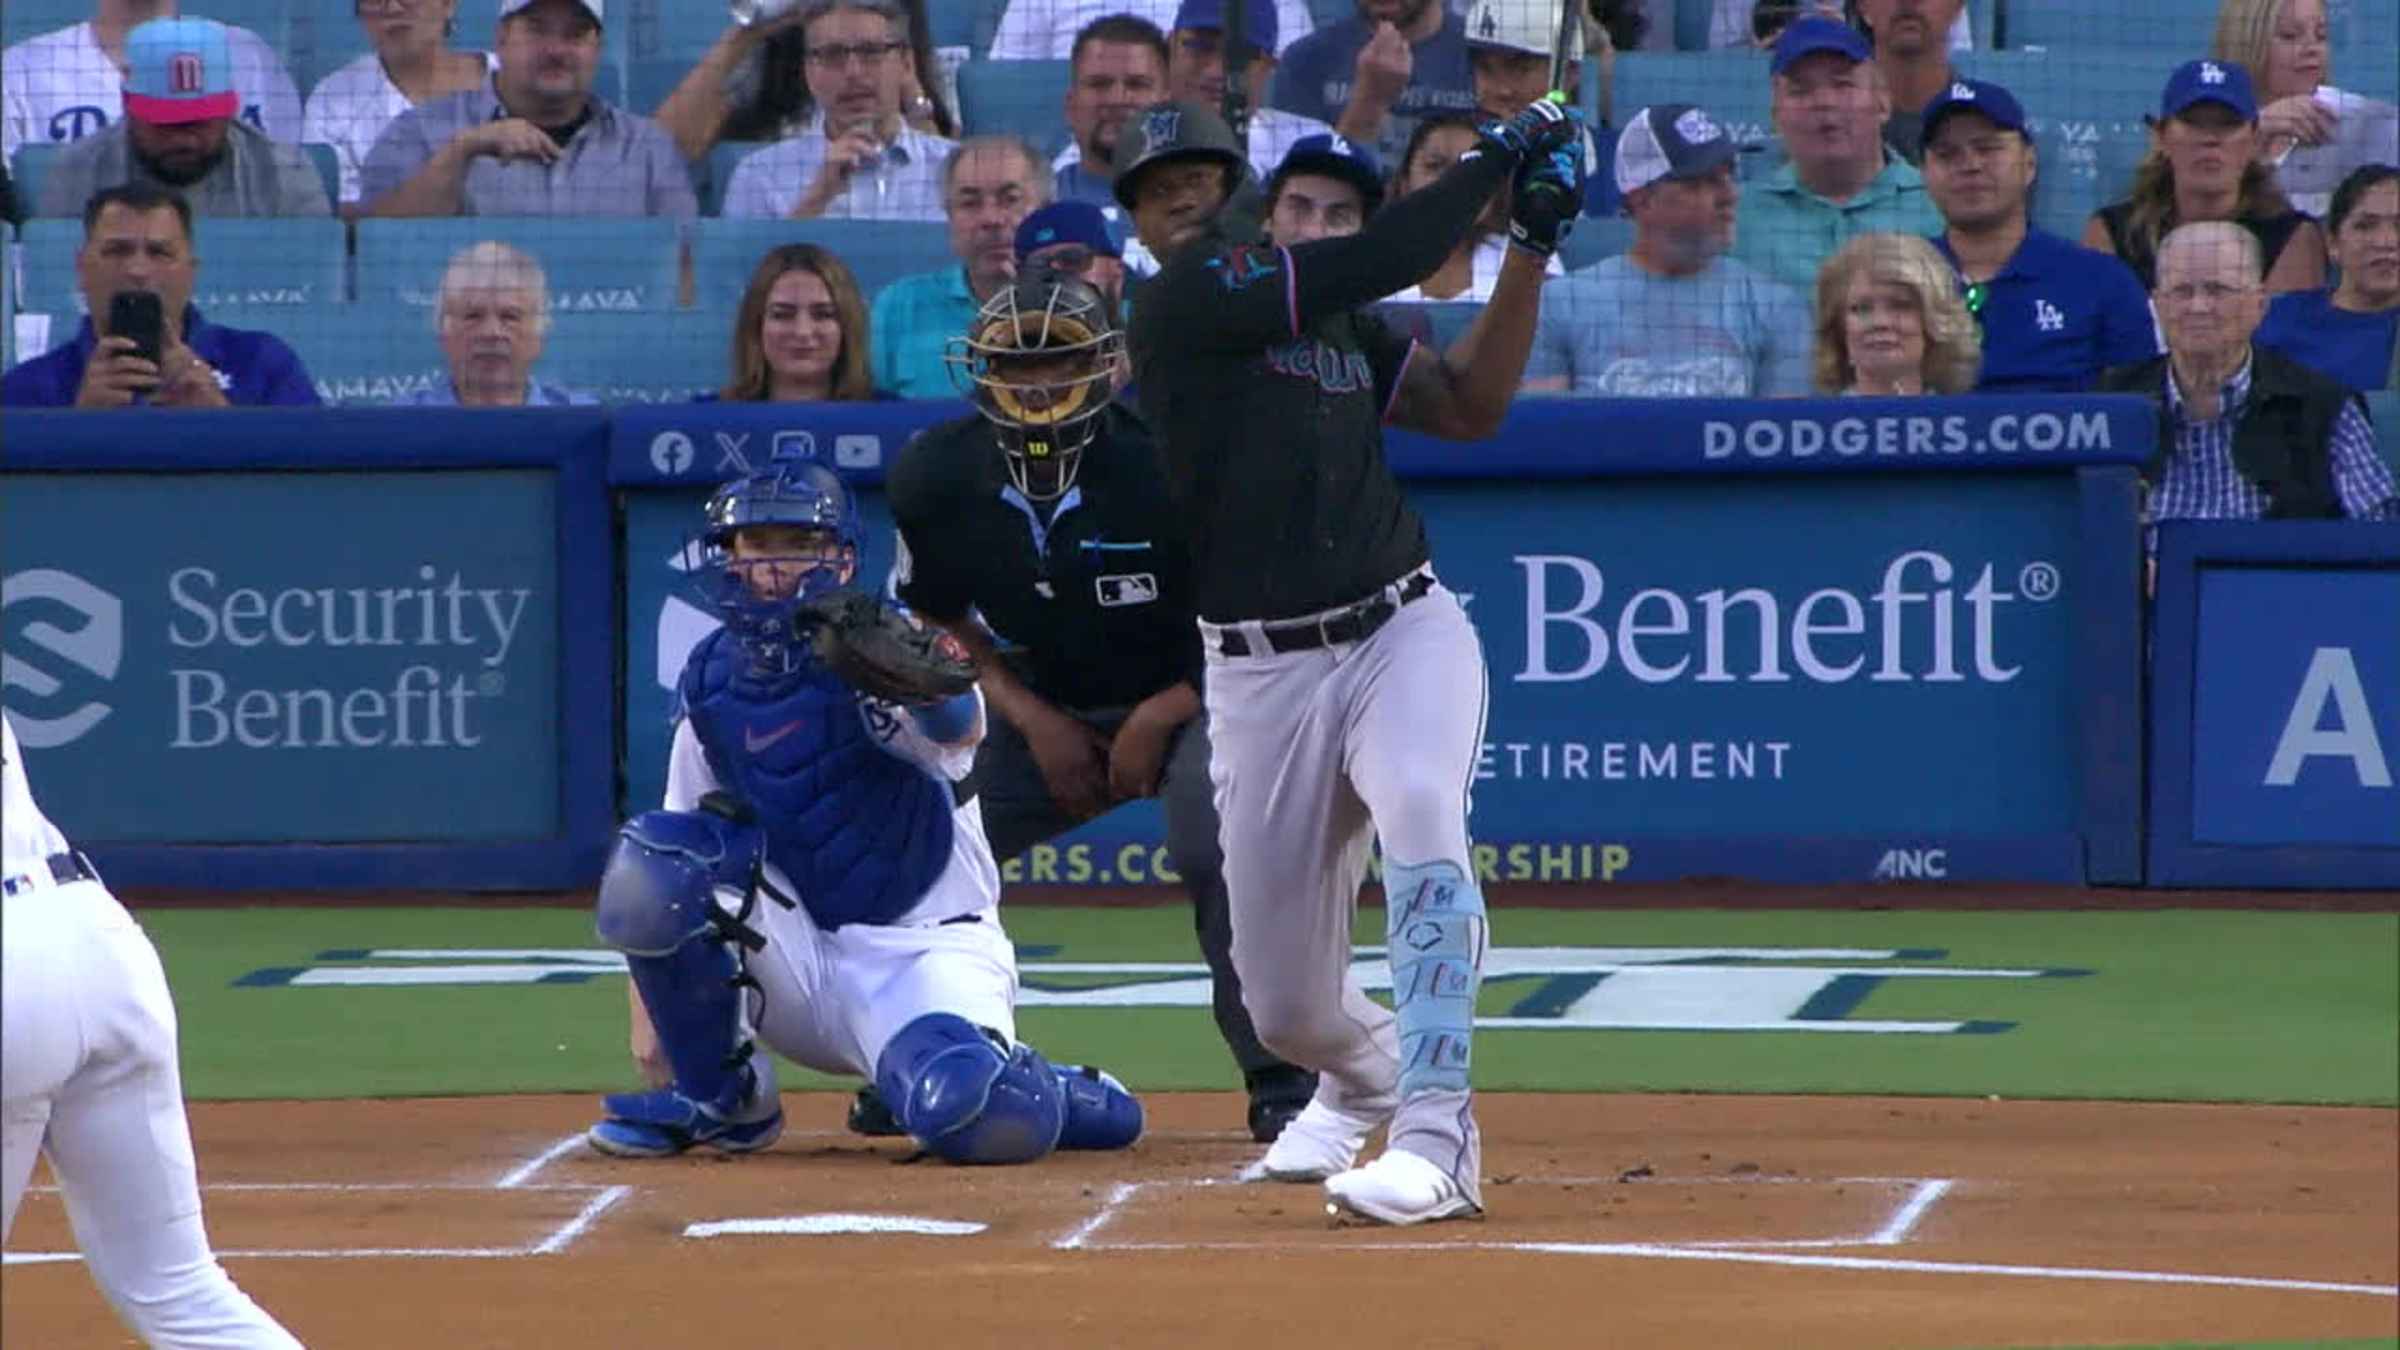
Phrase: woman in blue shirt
[2351,331]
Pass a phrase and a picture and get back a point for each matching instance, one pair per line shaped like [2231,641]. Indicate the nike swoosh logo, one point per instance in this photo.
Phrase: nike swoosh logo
[753,742]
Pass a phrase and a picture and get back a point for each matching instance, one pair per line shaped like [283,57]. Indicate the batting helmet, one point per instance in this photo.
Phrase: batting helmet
[1040,362]
[759,590]
[1171,131]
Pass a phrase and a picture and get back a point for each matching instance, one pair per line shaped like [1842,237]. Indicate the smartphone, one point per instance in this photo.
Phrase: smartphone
[139,316]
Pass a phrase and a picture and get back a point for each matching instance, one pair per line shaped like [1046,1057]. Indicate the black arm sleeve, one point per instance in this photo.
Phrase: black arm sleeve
[1246,296]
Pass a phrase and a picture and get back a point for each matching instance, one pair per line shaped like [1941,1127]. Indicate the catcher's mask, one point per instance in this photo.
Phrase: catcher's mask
[1039,363]
[774,540]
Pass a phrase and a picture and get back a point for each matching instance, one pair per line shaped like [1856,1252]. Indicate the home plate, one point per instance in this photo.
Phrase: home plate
[819,1225]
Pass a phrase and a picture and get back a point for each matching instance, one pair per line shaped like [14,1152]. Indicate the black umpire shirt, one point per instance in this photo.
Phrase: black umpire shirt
[1095,595]
[1268,392]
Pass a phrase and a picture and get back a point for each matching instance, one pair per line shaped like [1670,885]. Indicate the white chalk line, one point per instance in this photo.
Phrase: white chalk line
[1924,1194]
[523,1172]
[1118,1195]
[517,1178]
[577,1226]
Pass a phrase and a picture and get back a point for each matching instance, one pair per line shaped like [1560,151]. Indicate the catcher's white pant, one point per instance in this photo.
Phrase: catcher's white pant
[1314,754]
[88,1075]
[832,1000]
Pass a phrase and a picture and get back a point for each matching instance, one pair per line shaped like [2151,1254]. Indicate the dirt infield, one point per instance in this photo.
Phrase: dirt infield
[1629,1221]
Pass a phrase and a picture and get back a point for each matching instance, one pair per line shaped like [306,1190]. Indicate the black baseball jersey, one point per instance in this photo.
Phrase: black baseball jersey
[1096,594]
[1268,389]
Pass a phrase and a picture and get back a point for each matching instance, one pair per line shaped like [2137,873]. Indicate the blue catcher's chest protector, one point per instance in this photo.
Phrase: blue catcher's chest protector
[860,830]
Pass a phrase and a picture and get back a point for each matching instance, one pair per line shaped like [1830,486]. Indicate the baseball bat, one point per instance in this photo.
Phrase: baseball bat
[1567,22]
[1236,47]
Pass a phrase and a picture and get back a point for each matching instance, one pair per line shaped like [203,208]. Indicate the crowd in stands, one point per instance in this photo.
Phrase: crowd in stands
[1881,232]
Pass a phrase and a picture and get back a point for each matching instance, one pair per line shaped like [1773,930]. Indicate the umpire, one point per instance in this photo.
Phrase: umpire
[1041,534]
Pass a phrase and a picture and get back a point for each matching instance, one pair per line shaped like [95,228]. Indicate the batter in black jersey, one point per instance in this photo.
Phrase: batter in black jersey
[1345,688]
[1041,533]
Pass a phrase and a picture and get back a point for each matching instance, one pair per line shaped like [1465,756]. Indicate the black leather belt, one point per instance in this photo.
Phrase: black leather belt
[1351,623]
[64,869]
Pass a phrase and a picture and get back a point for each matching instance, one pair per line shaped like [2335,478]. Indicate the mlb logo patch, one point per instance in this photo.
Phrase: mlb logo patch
[1129,588]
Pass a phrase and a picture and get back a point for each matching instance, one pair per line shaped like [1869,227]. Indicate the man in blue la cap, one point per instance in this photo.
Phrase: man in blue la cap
[1829,108]
[2207,137]
[1326,187]
[1074,238]
[2053,314]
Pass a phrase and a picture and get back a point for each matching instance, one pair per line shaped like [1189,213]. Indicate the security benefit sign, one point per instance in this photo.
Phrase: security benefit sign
[1877,659]
[318,657]
[2296,709]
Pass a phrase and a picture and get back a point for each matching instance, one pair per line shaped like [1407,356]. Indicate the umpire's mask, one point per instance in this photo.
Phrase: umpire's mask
[1040,362]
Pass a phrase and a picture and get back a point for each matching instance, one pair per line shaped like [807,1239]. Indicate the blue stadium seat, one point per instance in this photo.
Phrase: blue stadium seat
[2384,406]
[877,251]
[21,19]
[2175,30]
[2088,105]
[270,263]
[329,169]
[1731,85]
[2366,34]
[1024,97]
[2081,171]
[270,19]
[717,172]
[359,355]
[676,29]
[621,263]
[640,358]
[1691,19]
[1594,239]
[649,80]
[8,295]
[28,168]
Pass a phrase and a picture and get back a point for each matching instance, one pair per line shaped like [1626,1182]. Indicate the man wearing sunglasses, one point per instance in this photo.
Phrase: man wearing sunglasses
[2054,314]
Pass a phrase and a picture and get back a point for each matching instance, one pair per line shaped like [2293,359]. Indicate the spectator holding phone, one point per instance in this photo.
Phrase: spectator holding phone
[148,345]
[2312,133]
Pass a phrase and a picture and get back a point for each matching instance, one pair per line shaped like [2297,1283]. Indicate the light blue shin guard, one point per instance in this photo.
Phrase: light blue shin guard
[1434,919]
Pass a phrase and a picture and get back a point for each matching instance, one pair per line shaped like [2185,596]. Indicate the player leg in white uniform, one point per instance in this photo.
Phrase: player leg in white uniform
[1316,751]
[88,1075]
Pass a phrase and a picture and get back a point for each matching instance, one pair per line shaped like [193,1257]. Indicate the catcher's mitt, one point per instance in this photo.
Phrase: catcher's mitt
[882,652]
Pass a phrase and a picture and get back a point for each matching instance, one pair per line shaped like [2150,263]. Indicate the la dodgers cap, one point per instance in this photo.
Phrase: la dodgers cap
[1521,26]
[1335,157]
[1066,223]
[1976,96]
[1258,20]
[2209,82]
[1671,140]
[179,70]
[1813,34]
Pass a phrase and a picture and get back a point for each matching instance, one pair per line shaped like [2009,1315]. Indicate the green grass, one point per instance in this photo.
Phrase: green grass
[2204,1006]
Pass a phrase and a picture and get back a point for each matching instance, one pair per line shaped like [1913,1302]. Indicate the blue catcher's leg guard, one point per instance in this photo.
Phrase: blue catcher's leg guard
[1101,1114]
[658,906]
[965,1096]
[1434,918]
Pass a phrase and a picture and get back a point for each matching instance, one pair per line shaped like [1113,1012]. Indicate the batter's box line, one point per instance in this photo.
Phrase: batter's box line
[1923,1194]
[603,1199]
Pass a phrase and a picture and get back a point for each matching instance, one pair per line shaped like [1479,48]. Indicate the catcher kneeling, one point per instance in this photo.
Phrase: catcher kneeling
[818,884]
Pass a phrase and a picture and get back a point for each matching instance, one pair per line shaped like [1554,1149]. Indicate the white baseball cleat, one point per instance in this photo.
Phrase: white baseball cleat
[1398,1188]
[1318,1143]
